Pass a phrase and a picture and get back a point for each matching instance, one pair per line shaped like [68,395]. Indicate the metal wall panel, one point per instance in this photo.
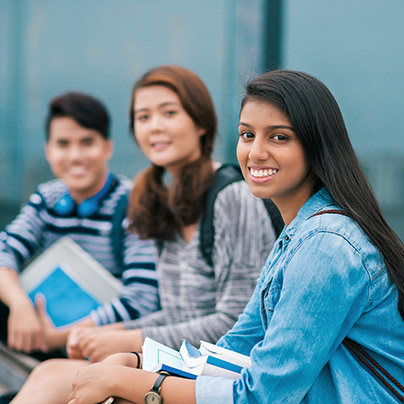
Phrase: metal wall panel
[356,48]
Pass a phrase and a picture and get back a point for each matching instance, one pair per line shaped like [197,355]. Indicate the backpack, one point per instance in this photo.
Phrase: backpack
[226,175]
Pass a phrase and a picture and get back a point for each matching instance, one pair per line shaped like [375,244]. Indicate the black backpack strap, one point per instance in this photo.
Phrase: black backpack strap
[225,175]
[375,368]
[331,211]
[117,232]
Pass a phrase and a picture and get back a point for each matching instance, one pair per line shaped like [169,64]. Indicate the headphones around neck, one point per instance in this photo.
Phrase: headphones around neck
[66,204]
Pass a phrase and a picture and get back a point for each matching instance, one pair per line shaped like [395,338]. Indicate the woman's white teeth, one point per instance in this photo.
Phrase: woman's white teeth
[263,173]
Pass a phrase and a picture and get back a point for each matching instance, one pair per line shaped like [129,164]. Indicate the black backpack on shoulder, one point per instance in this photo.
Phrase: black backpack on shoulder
[226,175]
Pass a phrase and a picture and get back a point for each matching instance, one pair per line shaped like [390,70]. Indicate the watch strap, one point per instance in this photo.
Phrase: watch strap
[157,384]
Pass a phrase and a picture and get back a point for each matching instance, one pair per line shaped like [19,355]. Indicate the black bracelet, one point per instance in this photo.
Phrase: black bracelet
[138,359]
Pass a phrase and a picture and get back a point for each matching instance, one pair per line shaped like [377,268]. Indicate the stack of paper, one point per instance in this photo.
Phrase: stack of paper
[159,357]
[212,360]
[190,362]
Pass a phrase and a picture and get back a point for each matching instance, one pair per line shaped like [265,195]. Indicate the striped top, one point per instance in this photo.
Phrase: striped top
[38,225]
[200,302]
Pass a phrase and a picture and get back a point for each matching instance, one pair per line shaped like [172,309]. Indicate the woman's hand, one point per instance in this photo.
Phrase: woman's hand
[92,384]
[97,346]
[98,343]
[99,381]
[76,334]
[124,359]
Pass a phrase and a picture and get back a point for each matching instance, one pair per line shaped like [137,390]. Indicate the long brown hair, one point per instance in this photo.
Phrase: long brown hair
[319,125]
[156,210]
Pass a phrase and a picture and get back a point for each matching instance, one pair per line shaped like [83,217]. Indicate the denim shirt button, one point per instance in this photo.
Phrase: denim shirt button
[287,238]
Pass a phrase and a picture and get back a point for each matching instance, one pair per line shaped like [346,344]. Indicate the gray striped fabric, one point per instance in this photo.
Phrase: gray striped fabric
[200,302]
[38,226]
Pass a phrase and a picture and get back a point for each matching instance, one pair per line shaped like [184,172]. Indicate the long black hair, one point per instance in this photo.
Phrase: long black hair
[320,127]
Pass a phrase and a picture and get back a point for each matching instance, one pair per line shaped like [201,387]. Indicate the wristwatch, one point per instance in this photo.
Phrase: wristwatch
[153,396]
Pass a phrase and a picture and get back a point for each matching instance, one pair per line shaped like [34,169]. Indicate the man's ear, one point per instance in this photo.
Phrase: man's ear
[110,148]
[46,150]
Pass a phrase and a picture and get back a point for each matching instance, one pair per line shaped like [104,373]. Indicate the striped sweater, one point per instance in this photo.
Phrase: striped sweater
[200,302]
[38,226]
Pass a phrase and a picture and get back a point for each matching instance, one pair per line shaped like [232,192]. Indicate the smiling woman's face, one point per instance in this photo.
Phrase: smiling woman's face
[164,131]
[272,158]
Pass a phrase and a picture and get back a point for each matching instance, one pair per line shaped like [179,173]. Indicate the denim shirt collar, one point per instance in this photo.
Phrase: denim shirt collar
[316,203]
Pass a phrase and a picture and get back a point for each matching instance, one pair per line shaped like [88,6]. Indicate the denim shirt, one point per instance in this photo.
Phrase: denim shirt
[324,280]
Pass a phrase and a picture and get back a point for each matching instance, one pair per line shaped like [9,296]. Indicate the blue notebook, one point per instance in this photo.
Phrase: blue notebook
[72,282]
[59,291]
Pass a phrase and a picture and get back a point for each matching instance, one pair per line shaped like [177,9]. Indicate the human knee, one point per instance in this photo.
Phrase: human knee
[49,368]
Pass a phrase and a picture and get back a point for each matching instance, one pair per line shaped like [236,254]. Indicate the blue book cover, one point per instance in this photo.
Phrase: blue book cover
[66,302]
[175,371]
[211,360]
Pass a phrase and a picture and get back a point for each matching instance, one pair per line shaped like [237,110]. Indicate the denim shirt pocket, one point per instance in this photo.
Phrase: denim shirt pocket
[270,295]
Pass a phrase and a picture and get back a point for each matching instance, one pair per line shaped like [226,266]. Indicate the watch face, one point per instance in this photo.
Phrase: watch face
[152,398]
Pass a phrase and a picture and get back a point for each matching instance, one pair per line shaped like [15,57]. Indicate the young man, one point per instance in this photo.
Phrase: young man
[84,203]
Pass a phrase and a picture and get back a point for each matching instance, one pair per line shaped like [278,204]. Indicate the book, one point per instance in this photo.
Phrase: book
[159,357]
[190,362]
[213,360]
[71,281]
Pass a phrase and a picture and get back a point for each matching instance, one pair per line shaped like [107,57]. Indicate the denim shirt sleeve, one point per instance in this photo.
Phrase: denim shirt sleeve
[305,311]
[248,329]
